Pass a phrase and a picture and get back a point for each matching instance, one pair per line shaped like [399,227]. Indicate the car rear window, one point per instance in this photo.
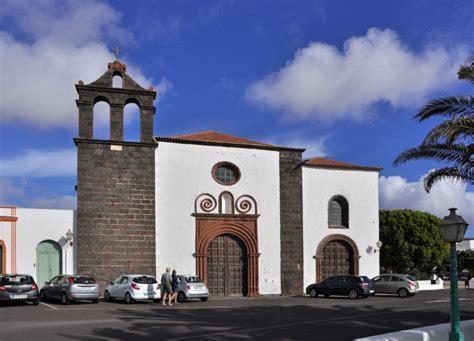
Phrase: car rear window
[411,278]
[145,280]
[83,280]
[193,279]
[365,279]
[17,279]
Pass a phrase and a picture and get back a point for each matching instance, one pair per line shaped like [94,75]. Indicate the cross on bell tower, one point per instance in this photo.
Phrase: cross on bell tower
[117,52]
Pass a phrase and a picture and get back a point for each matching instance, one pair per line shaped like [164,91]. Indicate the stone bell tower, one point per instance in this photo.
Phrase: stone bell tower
[115,182]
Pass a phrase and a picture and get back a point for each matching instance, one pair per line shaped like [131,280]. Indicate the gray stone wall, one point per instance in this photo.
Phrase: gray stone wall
[291,218]
[115,208]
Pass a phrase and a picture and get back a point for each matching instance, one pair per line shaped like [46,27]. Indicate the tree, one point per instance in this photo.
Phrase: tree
[412,242]
[450,141]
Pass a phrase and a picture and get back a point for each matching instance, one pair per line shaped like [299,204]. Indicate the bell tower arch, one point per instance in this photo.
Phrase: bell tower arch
[115,180]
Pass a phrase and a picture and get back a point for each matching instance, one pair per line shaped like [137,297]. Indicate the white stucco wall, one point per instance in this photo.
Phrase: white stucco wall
[465,245]
[36,225]
[360,188]
[183,171]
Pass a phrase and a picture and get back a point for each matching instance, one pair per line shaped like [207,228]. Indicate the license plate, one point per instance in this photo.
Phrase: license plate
[371,291]
[18,297]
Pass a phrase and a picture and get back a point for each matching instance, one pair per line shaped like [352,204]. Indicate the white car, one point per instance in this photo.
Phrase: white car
[133,288]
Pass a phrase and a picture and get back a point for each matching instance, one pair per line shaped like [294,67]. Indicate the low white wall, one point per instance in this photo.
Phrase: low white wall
[438,332]
[426,285]
[37,225]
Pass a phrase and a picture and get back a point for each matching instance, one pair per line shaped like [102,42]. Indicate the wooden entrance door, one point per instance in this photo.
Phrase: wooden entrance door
[337,259]
[227,266]
[48,261]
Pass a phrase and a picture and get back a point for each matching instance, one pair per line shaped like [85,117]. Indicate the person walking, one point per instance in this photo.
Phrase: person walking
[174,287]
[166,285]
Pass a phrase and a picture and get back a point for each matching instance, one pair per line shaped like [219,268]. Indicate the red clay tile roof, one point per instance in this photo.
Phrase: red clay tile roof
[211,137]
[321,162]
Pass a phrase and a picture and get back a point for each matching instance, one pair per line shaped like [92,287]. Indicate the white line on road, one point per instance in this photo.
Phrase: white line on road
[49,306]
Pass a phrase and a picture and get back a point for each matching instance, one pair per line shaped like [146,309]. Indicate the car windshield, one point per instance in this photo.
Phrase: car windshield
[145,280]
[411,278]
[193,279]
[17,280]
[84,280]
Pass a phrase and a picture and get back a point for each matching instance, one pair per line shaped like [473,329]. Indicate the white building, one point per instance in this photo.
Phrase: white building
[250,218]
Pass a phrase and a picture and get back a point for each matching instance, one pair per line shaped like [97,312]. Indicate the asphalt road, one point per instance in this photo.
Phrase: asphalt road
[277,318]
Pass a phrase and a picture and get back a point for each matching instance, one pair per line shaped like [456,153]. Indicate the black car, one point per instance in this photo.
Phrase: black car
[352,286]
[18,288]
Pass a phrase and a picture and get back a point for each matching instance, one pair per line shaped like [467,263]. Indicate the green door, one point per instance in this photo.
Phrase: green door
[48,261]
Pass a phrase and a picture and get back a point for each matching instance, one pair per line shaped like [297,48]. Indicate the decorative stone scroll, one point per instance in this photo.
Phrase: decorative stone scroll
[206,203]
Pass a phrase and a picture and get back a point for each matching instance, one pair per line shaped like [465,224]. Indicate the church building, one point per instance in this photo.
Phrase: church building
[249,218]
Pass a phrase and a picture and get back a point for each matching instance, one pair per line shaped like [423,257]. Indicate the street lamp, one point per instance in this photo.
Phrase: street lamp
[69,236]
[453,227]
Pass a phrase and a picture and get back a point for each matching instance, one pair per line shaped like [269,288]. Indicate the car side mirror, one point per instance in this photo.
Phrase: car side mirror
[47,283]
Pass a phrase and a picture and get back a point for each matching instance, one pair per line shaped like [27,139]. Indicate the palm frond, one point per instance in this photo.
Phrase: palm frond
[451,130]
[452,153]
[466,71]
[447,173]
[449,106]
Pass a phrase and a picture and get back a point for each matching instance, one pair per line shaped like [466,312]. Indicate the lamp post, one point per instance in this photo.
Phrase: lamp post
[453,227]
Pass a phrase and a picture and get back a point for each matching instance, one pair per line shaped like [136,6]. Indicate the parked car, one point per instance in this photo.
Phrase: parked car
[70,288]
[133,288]
[18,288]
[191,287]
[352,286]
[402,285]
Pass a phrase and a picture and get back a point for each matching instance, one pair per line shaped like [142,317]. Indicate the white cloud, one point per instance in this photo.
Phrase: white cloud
[66,45]
[397,193]
[315,146]
[60,202]
[39,163]
[19,192]
[326,84]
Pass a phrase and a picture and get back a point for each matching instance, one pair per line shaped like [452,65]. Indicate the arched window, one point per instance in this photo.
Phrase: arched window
[131,122]
[226,202]
[101,120]
[338,212]
[117,81]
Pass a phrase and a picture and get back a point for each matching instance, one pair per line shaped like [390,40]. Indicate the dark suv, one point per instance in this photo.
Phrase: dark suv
[352,286]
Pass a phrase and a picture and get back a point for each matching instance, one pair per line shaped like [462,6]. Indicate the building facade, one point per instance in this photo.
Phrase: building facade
[248,217]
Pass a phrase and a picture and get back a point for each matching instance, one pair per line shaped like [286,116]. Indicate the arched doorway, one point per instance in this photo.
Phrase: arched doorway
[227,266]
[3,258]
[48,261]
[336,255]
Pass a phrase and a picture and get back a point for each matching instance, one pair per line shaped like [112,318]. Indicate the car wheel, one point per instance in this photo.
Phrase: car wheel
[42,296]
[36,302]
[403,293]
[204,299]
[353,294]
[95,301]
[64,299]
[181,297]
[107,297]
[326,295]
[313,293]
[128,298]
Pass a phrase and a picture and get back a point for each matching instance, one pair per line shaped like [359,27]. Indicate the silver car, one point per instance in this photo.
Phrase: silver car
[70,288]
[402,285]
[133,288]
[191,287]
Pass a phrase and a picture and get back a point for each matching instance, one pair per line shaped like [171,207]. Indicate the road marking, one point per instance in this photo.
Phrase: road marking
[50,306]
[447,300]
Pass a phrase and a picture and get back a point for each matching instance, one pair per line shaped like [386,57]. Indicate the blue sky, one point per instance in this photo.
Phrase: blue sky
[342,78]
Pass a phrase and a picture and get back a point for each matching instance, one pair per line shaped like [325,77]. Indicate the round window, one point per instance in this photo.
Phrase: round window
[226,173]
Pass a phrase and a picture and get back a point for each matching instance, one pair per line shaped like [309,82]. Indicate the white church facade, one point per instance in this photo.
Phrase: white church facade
[248,217]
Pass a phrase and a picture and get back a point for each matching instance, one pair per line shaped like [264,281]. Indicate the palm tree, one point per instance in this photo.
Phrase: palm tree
[451,141]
